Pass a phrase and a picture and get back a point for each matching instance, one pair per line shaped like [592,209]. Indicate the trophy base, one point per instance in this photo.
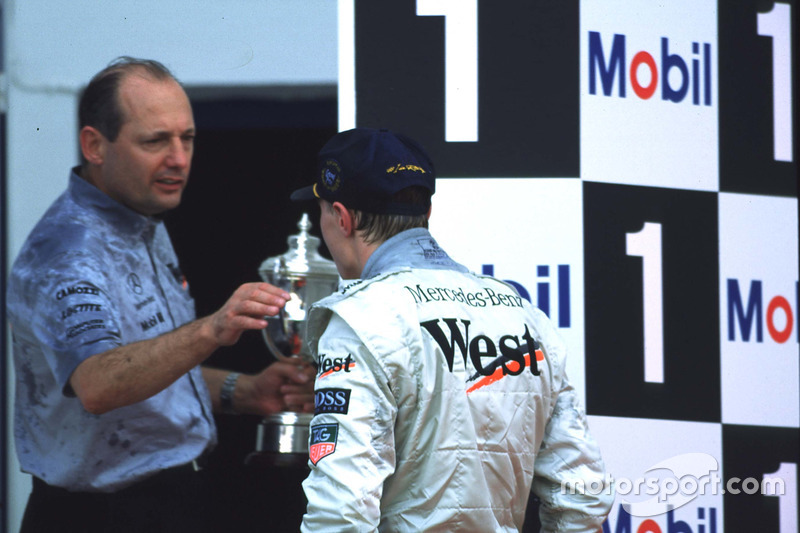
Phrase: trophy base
[282,441]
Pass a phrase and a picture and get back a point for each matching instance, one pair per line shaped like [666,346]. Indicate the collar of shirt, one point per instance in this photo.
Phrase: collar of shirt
[415,248]
[122,217]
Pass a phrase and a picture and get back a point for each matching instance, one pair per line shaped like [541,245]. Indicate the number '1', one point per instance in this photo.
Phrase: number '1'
[460,65]
[646,243]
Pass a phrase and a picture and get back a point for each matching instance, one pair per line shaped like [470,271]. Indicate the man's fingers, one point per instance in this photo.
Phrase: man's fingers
[274,291]
[265,293]
[253,300]
[302,374]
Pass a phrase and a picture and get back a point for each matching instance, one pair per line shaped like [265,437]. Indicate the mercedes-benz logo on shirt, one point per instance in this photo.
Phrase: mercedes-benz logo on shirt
[134,283]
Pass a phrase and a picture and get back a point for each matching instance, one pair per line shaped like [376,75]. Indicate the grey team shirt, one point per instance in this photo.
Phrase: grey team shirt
[94,275]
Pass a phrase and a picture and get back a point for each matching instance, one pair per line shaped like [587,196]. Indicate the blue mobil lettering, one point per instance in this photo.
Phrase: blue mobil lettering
[749,313]
[706,523]
[543,286]
[695,79]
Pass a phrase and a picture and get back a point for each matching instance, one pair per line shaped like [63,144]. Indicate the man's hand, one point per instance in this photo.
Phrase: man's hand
[246,309]
[282,386]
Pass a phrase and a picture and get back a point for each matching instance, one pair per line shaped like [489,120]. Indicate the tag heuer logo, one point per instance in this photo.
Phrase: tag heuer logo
[322,442]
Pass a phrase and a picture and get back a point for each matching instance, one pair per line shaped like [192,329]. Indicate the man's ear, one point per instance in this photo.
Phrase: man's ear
[93,145]
[344,219]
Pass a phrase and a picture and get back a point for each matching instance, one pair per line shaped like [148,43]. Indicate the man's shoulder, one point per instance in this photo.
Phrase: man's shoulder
[55,237]
[361,288]
[372,297]
[62,232]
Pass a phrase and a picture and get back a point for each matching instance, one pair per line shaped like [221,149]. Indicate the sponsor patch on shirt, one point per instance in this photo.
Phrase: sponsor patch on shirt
[84,288]
[322,442]
[328,365]
[336,401]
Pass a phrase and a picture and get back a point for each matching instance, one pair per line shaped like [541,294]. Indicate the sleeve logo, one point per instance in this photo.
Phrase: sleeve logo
[322,442]
[327,365]
[336,401]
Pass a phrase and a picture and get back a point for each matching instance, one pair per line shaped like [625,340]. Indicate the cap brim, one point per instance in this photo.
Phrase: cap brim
[303,195]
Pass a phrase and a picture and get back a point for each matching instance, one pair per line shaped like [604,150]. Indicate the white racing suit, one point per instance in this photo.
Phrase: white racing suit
[441,402]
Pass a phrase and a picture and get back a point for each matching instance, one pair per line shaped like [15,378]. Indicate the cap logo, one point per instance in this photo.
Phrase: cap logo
[331,175]
[400,168]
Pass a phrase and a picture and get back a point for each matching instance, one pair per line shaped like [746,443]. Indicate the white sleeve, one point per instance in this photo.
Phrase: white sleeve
[351,444]
[569,473]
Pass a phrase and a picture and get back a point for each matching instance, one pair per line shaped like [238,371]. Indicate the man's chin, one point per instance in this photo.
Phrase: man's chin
[163,207]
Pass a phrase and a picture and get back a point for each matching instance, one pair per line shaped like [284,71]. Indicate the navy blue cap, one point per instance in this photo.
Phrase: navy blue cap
[364,167]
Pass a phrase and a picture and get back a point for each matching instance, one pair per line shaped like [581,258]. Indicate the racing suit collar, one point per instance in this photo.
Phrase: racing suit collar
[415,248]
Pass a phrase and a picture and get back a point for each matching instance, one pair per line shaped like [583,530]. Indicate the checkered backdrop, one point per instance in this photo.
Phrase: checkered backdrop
[629,166]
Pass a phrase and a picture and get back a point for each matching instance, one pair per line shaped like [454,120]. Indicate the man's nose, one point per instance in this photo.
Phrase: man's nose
[179,154]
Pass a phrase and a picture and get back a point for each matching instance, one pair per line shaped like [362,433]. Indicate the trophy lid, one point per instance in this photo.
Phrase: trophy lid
[302,259]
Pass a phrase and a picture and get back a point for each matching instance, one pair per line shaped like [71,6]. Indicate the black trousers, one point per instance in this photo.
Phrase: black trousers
[172,501]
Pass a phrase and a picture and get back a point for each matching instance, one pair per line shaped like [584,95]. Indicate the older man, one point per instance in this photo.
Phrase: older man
[113,412]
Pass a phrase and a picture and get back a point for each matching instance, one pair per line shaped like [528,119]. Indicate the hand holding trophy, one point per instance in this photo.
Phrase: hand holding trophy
[282,438]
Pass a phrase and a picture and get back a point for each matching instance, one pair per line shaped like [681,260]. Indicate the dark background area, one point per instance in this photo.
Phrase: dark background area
[235,213]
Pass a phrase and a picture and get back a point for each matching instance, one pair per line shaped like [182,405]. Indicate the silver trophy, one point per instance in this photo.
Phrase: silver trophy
[282,438]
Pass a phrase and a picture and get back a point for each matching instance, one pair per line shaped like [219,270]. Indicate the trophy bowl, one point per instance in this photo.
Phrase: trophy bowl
[307,277]
[282,439]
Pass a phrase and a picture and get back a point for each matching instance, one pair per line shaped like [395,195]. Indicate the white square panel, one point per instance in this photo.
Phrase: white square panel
[655,463]
[758,310]
[649,93]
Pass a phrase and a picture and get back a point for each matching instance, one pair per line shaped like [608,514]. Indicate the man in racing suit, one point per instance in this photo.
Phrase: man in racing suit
[441,396]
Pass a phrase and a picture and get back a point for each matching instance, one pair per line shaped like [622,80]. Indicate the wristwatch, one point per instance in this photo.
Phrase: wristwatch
[226,393]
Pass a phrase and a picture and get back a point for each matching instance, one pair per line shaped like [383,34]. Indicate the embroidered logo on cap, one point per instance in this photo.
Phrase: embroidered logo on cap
[399,168]
[331,175]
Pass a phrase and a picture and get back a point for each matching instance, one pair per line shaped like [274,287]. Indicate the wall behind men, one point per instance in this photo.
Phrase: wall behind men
[632,167]
[279,49]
